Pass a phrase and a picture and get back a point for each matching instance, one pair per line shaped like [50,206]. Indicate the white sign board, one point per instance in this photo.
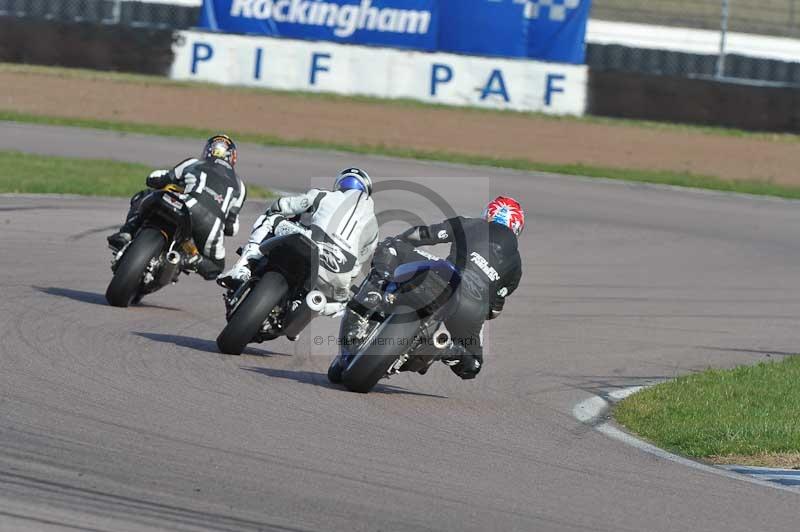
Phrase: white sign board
[521,85]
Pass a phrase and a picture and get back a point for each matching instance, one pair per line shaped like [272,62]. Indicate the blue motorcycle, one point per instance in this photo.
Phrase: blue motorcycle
[394,323]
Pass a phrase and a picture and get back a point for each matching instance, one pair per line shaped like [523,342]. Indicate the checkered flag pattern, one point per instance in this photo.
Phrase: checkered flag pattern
[555,10]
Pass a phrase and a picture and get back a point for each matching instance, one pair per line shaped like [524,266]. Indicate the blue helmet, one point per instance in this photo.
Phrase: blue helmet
[353,179]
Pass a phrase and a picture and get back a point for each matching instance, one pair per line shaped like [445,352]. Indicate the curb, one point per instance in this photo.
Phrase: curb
[594,412]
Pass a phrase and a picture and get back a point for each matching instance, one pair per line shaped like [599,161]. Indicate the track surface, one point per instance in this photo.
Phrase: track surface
[116,419]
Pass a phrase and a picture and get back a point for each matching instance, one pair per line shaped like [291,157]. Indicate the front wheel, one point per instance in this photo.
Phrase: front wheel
[250,315]
[125,286]
[392,339]
[335,371]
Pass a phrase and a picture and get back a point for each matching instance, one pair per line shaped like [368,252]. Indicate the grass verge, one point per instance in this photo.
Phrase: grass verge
[145,80]
[747,415]
[682,179]
[37,174]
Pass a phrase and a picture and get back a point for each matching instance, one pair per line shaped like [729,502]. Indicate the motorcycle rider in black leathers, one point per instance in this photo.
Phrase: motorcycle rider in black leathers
[485,252]
[214,195]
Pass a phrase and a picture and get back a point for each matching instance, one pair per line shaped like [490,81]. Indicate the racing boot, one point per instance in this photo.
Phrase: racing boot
[123,237]
[119,240]
[461,361]
[207,268]
[240,273]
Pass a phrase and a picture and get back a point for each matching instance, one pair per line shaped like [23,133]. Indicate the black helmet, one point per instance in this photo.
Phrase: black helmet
[353,179]
[221,147]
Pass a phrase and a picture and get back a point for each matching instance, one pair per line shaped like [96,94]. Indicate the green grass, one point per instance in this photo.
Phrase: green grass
[751,410]
[36,174]
[645,176]
[145,80]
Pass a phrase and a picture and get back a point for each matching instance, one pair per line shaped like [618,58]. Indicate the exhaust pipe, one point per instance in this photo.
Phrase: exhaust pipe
[300,317]
[441,338]
[174,258]
[316,301]
[170,268]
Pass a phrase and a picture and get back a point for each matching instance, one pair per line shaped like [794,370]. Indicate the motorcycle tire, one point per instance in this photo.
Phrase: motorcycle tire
[249,316]
[125,285]
[376,356]
[335,371]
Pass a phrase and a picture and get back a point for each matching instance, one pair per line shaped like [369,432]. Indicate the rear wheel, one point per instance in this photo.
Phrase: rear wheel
[335,371]
[125,285]
[250,315]
[346,331]
[390,341]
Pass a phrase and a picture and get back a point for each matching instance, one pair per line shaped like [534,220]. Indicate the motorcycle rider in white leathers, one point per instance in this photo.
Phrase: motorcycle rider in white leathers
[342,223]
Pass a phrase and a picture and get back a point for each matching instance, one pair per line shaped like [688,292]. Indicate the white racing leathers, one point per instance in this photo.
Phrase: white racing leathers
[342,224]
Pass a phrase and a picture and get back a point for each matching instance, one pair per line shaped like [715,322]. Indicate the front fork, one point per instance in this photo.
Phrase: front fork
[232,298]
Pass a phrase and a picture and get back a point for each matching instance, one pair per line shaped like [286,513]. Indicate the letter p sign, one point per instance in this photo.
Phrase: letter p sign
[440,74]
[201,52]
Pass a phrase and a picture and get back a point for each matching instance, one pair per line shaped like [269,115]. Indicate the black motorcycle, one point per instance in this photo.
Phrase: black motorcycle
[280,298]
[395,323]
[152,259]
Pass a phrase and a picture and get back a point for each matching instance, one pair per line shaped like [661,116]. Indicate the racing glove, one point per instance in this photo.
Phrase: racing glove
[385,258]
[231,225]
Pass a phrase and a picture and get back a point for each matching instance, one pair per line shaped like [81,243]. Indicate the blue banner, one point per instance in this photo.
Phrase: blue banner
[393,23]
[549,30]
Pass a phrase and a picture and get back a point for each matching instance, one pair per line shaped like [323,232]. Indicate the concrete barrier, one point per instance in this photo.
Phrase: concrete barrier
[521,85]
[695,101]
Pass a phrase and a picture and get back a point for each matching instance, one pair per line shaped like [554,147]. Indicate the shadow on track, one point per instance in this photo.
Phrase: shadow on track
[91,297]
[91,232]
[76,295]
[321,379]
[602,385]
[198,344]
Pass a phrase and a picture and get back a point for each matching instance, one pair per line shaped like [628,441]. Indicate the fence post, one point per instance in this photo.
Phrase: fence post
[723,35]
[116,12]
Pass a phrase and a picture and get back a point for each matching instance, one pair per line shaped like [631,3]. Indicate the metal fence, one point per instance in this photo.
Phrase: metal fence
[764,17]
[767,17]
[178,14]
[761,17]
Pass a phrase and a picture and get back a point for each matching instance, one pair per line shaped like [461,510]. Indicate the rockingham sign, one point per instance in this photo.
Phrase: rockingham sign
[344,18]
[285,64]
[545,30]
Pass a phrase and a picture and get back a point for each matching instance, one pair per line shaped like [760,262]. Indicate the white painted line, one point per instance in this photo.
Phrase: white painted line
[619,395]
[613,432]
[773,472]
[590,410]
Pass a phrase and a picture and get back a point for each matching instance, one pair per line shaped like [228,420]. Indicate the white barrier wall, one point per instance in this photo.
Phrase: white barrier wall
[691,40]
[520,85]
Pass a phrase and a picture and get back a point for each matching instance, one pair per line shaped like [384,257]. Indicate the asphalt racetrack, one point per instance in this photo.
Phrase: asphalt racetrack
[128,419]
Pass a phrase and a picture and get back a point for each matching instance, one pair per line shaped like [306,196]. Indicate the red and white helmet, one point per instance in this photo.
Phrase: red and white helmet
[506,211]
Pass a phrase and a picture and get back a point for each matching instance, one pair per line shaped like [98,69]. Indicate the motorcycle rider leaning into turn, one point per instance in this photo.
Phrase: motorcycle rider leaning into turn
[485,252]
[214,195]
[341,222]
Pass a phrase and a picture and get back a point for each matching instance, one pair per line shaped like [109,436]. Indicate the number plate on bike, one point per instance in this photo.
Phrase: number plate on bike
[172,202]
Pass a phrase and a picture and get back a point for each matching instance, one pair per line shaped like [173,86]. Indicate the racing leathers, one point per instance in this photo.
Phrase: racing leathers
[486,254]
[214,195]
[343,225]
